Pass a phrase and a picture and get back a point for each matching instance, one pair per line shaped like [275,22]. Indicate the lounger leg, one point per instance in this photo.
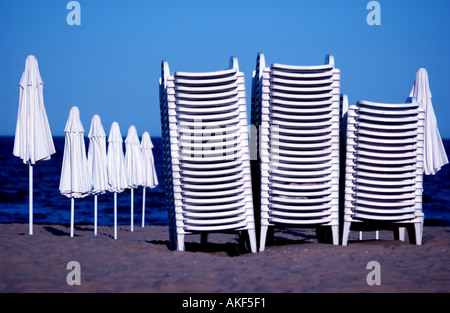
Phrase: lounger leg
[345,233]
[335,231]
[203,238]
[180,242]
[401,233]
[418,230]
[422,221]
[252,238]
[263,237]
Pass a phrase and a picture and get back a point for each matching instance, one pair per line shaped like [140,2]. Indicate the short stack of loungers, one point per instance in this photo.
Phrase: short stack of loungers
[384,166]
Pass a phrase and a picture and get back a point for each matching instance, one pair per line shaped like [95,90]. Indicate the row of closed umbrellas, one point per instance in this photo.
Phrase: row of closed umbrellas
[100,170]
[82,174]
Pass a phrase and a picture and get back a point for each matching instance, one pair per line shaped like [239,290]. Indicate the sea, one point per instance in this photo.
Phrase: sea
[50,207]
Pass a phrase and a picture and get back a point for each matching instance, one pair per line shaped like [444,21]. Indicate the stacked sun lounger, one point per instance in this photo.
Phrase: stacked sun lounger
[384,165]
[297,111]
[206,153]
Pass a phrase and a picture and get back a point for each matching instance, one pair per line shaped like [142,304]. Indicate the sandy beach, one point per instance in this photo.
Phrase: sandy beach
[141,261]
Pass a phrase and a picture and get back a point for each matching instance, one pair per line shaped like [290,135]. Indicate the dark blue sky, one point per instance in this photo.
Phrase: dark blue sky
[110,64]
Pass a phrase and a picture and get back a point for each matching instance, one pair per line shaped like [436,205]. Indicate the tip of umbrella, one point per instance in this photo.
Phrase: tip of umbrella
[422,74]
[146,142]
[96,127]
[31,75]
[132,137]
[421,87]
[114,133]
[73,122]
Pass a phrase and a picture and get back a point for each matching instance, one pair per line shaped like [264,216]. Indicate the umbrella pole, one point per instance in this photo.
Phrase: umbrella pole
[72,209]
[95,216]
[115,215]
[132,208]
[143,207]
[30,223]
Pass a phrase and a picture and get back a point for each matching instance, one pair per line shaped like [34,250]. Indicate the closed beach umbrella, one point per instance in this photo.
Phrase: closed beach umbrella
[133,165]
[75,179]
[33,140]
[150,178]
[117,177]
[434,152]
[97,162]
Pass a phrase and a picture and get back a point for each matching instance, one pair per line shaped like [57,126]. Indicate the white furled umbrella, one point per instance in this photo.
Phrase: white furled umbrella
[434,153]
[33,140]
[97,162]
[150,177]
[133,165]
[117,178]
[75,178]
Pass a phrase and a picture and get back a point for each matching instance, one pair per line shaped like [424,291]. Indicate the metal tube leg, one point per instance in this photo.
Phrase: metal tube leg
[30,218]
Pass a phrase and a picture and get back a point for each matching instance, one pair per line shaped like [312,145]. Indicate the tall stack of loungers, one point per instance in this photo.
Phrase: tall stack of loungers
[296,110]
[207,163]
